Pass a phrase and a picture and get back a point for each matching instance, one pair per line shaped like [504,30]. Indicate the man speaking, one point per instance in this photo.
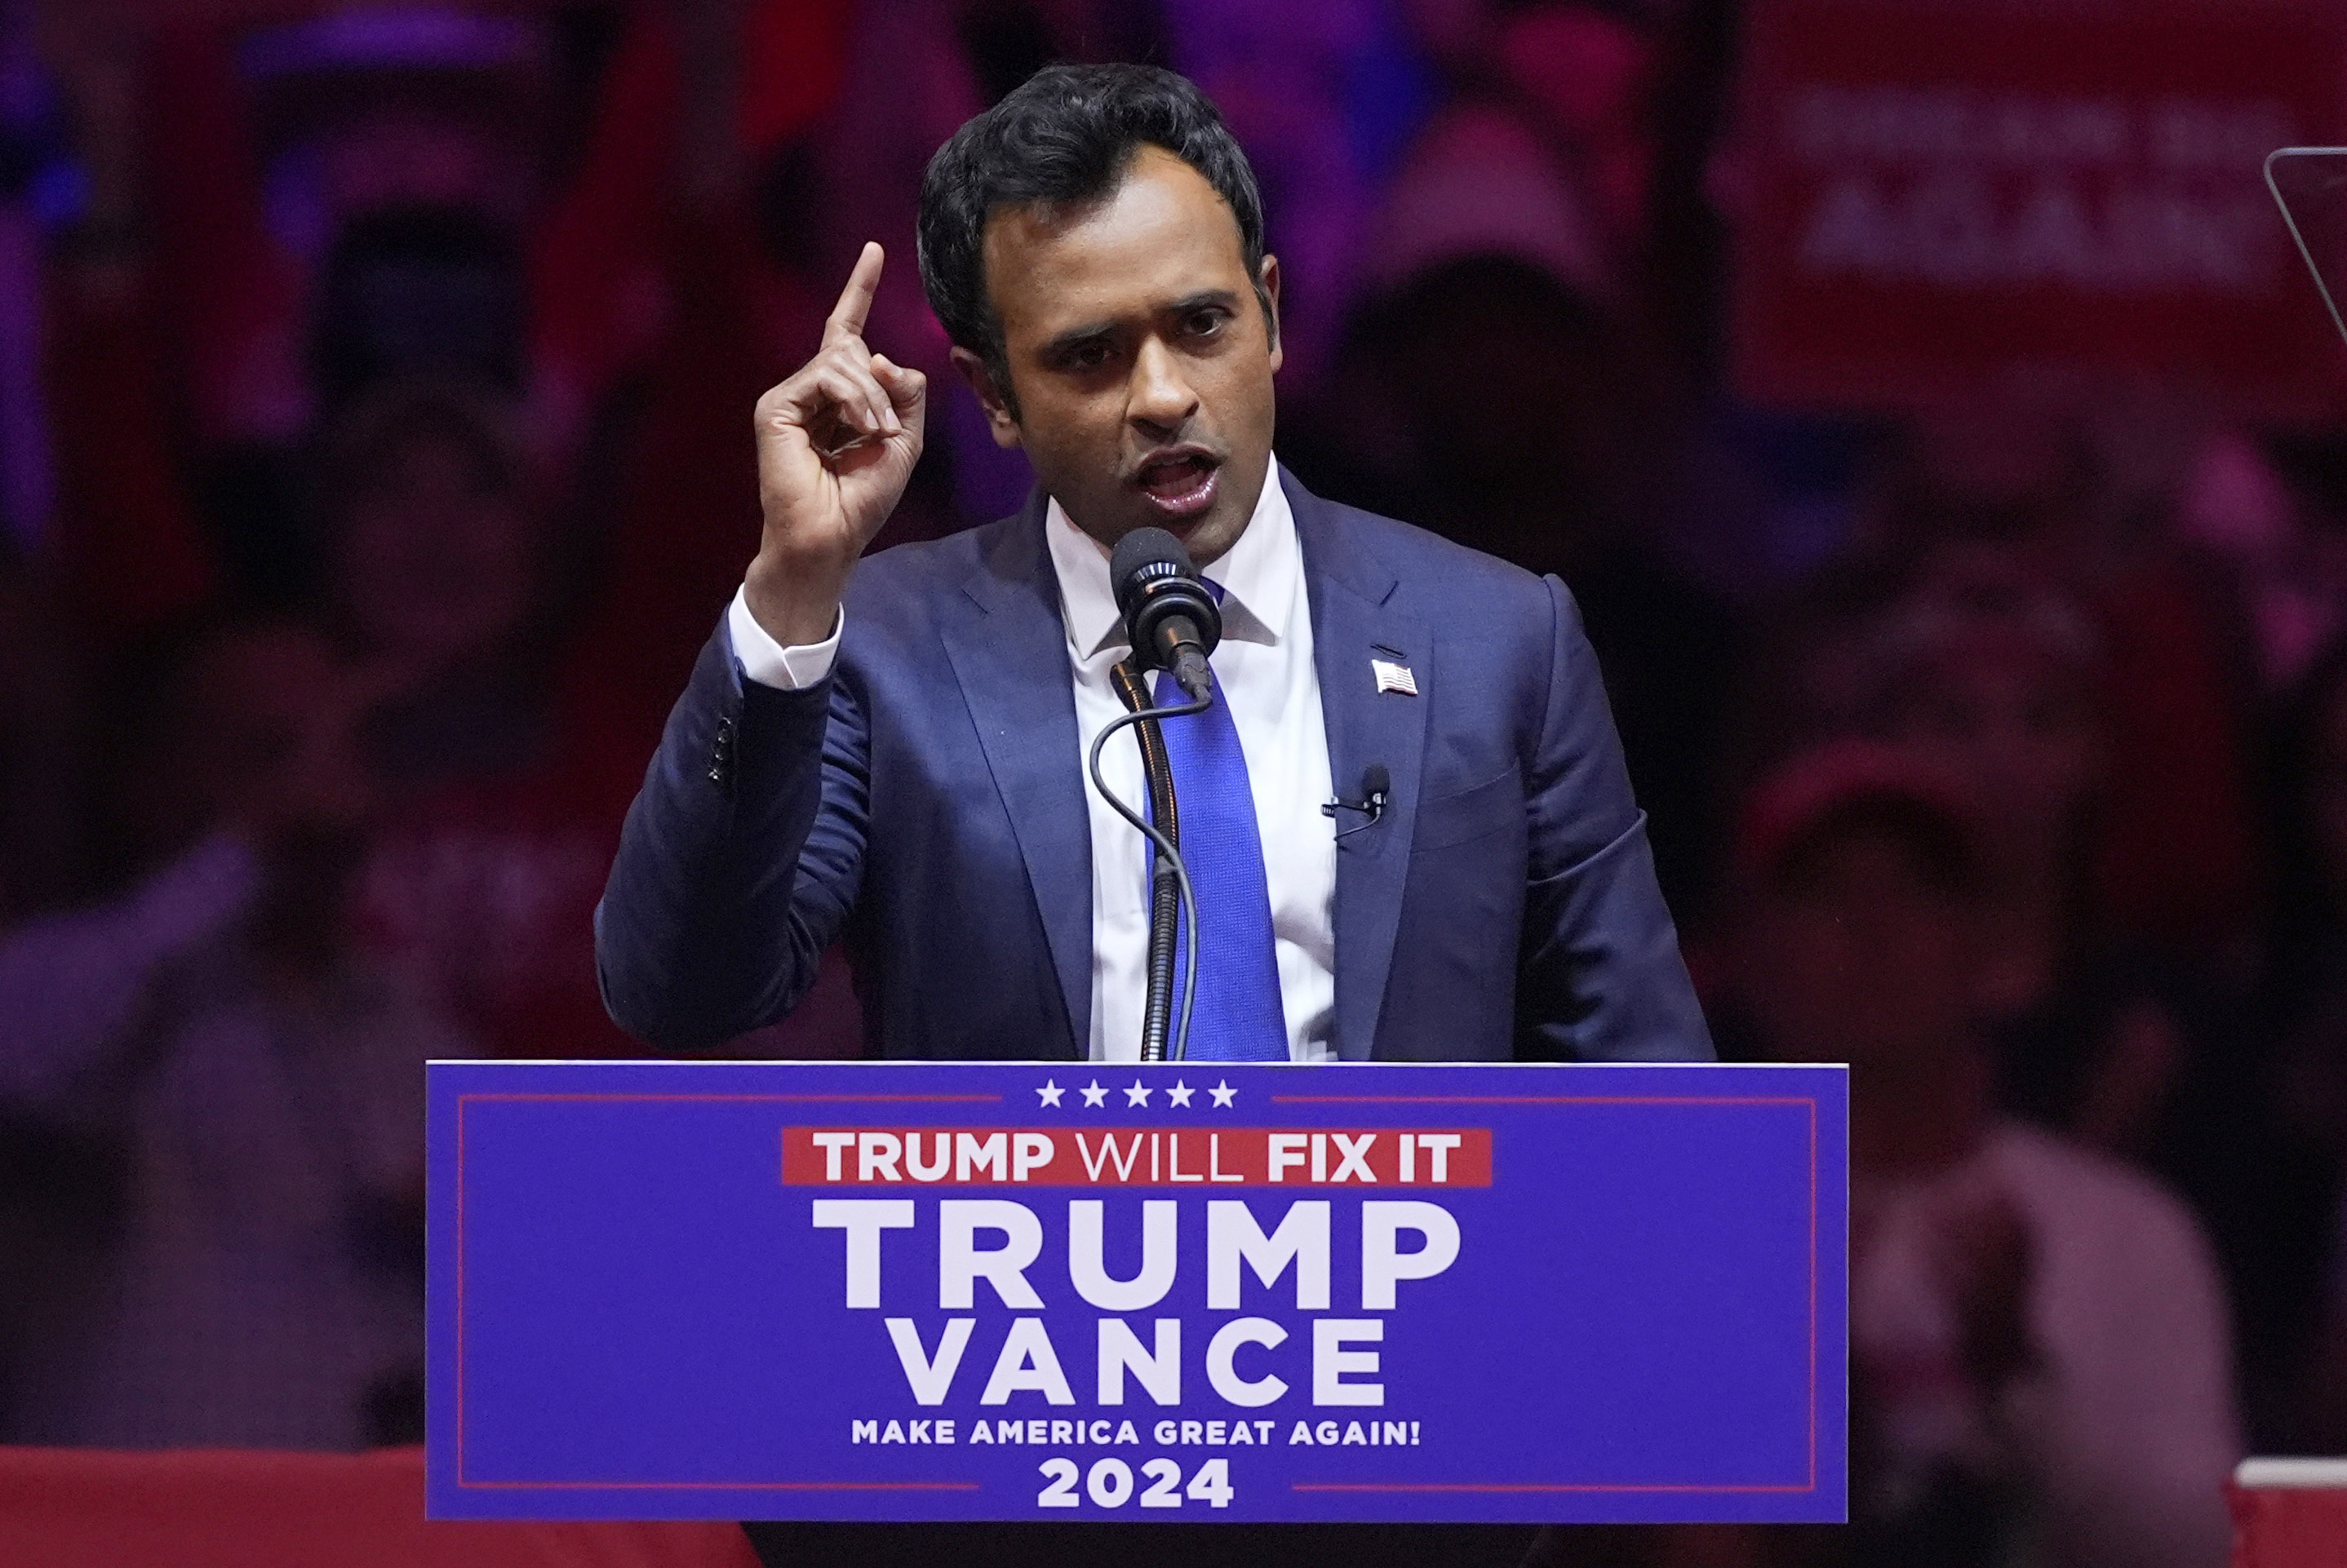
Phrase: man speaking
[894,752]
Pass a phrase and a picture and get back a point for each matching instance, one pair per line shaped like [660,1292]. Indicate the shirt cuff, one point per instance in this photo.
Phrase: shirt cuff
[768,662]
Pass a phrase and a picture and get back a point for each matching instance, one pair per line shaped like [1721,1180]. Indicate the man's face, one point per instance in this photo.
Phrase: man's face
[1140,357]
[438,563]
[2024,726]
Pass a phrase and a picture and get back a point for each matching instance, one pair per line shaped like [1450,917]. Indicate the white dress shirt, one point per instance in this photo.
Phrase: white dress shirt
[1265,667]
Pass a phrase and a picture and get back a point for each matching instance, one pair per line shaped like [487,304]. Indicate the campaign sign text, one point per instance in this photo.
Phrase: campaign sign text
[1191,1292]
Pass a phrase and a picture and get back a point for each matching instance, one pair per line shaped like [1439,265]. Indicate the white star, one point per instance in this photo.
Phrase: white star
[1094,1094]
[1179,1095]
[1224,1094]
[1049,1093]
[1138,1094]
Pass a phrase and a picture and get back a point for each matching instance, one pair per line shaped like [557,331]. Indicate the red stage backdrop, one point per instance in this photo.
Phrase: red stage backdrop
[1934,192]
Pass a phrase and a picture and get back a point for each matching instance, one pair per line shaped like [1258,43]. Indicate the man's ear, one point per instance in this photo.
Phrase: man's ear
[999,417]
[1270,276]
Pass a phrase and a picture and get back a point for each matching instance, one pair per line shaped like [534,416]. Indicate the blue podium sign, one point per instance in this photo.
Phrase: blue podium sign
[1189,1292]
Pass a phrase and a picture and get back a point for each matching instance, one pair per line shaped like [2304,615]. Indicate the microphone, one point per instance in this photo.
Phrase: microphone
[1171,620]
[1376,783]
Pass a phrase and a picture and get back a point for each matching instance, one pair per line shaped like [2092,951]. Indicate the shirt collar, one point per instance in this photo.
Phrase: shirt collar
[1259,575]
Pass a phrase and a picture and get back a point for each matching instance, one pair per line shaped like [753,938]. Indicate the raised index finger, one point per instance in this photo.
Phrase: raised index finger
[846,319]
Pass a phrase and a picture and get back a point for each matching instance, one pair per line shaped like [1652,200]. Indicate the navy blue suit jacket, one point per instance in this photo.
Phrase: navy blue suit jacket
[926,802]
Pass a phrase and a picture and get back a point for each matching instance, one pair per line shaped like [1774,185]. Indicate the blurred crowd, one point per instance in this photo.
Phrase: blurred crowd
[374,457]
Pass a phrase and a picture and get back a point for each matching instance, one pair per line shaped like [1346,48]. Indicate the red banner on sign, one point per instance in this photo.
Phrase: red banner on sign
[1936,193]
[1135,1156]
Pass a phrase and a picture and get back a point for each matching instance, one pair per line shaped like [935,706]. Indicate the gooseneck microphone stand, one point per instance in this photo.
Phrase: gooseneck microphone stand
[1165,888]
[1169,879]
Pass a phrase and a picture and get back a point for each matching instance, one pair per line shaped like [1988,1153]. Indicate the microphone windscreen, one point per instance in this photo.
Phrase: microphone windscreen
[1141,549]
[1376,781]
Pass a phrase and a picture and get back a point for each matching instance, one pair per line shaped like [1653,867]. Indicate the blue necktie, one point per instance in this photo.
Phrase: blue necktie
[1238,1016]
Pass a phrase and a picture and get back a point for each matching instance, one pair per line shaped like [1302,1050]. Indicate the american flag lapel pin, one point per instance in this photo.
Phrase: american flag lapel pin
[1394,675]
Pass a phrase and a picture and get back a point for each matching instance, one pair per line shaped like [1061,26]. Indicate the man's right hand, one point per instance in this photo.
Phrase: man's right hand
[836,443]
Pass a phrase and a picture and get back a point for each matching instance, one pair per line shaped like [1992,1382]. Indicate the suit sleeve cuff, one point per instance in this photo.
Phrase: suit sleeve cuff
[768,662]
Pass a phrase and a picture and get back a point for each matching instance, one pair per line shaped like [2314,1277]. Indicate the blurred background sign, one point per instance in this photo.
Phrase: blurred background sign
[1934,193]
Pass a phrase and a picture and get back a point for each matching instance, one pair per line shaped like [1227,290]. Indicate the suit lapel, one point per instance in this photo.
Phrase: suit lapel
[1353,622]
[1008,651]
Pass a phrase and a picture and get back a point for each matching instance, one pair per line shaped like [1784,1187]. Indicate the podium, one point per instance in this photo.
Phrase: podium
[1187,1292]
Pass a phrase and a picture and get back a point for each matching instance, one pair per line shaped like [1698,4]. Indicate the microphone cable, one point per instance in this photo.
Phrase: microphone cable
[1166,848]
[1164,891]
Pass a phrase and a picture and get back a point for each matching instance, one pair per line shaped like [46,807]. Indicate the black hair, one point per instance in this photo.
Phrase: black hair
[381,424]
[421,291]
[1063,139]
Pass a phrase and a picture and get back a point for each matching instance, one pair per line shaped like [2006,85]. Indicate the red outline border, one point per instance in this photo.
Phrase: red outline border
[1535,1486]
[720,1485]
[464,1100]
[464,1485]
[749,1099]
[1543,1100]
[1469,1486]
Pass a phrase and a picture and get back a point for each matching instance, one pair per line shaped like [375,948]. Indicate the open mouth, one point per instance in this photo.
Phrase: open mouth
[1181,485]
